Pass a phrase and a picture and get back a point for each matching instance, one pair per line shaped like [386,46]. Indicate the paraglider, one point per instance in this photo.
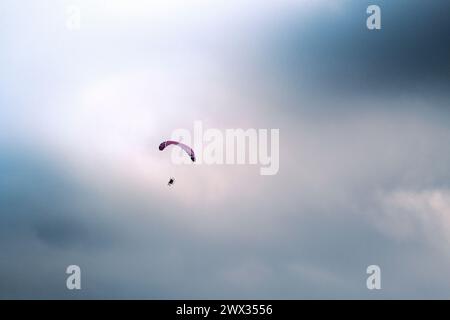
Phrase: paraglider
[187,149]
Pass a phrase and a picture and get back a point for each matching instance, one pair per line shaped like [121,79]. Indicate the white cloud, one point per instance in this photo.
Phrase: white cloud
[415,214]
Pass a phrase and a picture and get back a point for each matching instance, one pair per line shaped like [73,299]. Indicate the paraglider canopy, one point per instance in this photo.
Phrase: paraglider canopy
[187,149]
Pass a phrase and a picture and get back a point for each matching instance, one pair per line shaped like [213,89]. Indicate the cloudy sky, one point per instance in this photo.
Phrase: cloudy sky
[364,120]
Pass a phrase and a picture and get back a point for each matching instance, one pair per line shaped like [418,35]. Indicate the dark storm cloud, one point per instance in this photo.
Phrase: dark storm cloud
[36,193]
[333,52]
[46,219]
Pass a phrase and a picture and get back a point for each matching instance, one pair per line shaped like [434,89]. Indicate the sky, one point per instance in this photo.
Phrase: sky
[364,124]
